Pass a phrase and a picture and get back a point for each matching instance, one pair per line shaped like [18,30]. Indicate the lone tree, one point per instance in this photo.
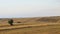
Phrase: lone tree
[10,22]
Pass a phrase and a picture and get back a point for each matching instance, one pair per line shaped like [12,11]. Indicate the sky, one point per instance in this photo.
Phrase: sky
[29,8]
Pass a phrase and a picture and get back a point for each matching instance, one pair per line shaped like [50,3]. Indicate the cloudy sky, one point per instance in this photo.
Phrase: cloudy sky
[29,8]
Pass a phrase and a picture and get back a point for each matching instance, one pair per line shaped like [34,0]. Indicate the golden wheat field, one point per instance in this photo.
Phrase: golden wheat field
[45,25]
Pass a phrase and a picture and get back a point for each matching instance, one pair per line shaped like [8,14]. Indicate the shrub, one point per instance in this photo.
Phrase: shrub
[18,22]
[10,22]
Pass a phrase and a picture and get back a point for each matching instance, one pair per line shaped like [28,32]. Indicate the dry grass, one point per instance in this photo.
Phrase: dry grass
[33,29]
[30,26]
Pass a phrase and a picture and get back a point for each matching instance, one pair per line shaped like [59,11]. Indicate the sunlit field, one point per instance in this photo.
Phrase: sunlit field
[31,26]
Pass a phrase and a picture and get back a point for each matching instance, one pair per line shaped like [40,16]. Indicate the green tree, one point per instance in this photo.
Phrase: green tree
[10,21]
